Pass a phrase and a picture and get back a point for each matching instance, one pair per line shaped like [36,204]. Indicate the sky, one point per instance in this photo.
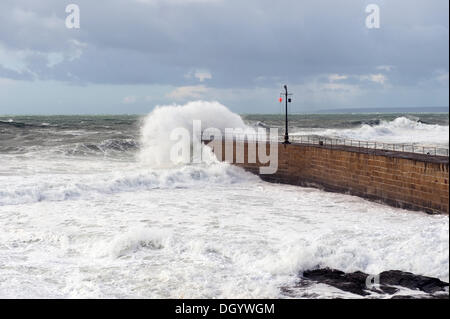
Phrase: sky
[129,56]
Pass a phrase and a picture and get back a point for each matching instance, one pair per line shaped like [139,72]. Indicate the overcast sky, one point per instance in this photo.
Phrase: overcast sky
[130,55]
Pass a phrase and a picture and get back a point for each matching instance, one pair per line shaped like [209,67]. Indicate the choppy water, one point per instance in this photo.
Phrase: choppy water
[82,215]
[115,134]
[420,129]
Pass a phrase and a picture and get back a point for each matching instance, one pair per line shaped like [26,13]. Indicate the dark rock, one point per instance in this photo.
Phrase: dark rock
[388,282]
[412,281]
[439,296]
[353,282]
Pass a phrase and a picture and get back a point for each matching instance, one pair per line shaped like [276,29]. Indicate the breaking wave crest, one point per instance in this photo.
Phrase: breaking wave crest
[158,125]
[400,130]
[131,242]
[152,169]
[72,187]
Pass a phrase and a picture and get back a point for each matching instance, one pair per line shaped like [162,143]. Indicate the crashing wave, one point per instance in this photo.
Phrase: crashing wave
[158,125]
[400,130]
[188,176]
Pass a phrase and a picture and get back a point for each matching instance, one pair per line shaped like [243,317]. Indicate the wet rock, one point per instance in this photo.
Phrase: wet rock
[411,281]
[388,282]
[352,282]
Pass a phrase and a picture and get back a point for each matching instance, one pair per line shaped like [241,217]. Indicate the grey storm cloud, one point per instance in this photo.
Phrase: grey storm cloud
[241,43]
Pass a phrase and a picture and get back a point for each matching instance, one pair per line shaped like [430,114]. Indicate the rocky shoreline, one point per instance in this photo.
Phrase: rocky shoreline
[394,284]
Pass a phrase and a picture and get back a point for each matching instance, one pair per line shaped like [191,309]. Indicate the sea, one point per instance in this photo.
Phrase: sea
[91,207]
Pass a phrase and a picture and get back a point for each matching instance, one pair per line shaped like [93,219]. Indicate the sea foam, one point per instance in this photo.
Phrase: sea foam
[399,130]
[158,125]
[97,227]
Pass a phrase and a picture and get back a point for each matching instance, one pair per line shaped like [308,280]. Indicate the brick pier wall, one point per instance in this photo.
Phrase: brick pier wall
[405,180]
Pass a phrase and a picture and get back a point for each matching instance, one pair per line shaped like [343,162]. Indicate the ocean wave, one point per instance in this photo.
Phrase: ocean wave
[132,241]
[16,124]
[105,147]
[400,130]
[12,123]
[73,187]
[159,124]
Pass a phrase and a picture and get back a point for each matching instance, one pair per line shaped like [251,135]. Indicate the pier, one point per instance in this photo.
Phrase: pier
[400,178]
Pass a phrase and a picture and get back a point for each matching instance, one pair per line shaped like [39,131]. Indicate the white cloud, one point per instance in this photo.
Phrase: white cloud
[75,49]
[337,77]
[14,60]
[199,74]
[188,92]
[317,94]
[54,58]
[376,78]
[337,87]
[202,75]
[18,60]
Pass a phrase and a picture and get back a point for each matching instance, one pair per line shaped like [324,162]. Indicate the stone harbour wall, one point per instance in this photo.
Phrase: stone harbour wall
[405,180]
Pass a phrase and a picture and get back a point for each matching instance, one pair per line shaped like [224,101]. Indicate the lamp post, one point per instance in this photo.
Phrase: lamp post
[287,99]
